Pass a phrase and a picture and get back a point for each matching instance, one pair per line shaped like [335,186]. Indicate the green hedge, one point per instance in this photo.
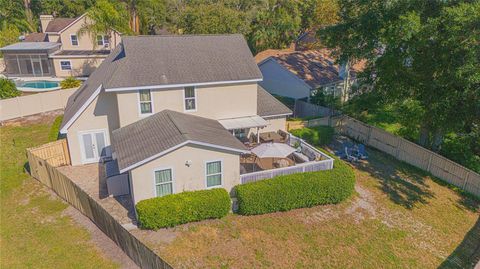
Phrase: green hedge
[300,190]
[318,136]
[175,209]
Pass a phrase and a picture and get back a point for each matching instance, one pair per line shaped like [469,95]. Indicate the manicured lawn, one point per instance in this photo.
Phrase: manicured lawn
[398,218]
[35,233]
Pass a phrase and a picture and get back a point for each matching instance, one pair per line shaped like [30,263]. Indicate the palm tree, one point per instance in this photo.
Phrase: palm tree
[105,18]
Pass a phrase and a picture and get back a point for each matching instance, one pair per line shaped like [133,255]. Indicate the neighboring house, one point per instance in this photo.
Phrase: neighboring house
[299,74]
[172,112]
[58,51]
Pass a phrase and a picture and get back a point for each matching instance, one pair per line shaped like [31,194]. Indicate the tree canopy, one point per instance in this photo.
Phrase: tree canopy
[423,52]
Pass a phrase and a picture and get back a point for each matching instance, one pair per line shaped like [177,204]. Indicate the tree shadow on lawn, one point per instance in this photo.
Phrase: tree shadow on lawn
[467,254]
[404,184]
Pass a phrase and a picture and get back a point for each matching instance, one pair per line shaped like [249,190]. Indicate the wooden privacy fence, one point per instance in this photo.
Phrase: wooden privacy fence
[43,169]
[404,150]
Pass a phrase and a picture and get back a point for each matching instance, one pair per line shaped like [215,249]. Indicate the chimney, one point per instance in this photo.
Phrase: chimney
[44,21]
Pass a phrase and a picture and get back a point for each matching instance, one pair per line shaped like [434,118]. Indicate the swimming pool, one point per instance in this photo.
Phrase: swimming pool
[38,86]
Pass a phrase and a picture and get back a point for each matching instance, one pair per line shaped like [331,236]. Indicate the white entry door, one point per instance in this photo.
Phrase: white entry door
[93,145]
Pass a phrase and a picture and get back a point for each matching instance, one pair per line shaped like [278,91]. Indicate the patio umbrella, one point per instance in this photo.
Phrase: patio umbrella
[273,150]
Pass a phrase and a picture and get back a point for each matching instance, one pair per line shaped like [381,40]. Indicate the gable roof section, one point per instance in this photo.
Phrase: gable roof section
[58,24]
[90,89]
[269,106]
[165,131]
[178,60]
[167,61]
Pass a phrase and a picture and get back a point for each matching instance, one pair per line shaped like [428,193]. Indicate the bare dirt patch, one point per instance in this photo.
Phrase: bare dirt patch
[41,118]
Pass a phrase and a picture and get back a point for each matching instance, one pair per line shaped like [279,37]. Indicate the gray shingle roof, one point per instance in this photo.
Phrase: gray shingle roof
[267,105]
[164,130]
[58,24]
[156,60]
[181,59]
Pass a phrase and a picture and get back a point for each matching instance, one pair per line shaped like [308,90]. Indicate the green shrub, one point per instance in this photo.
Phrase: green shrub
[174,209]
[8,89]
[317,136]
[70,82]
[300,190]
[55,129]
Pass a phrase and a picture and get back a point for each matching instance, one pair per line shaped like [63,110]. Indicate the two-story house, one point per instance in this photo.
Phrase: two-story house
[59,50]
[173,112]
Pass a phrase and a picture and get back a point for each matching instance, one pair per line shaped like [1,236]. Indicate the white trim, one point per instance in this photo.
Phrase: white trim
[176,147]
[140,114]
[276,115]
[71,41]
[54,56]
[61,68]
[195,98]
[172,179]
[221,174]
[152,87]
[64,130]
[93,131]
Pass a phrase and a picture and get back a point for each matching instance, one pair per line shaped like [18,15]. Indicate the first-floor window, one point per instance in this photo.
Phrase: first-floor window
[240,133]
[145,102]
[163,182]
[65,65]
[214,174]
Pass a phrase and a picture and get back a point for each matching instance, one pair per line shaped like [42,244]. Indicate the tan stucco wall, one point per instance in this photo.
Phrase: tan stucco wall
[215,102]
[85,41]
[80,66]
[185,178]
[275,124]
[53,37]
[100,114]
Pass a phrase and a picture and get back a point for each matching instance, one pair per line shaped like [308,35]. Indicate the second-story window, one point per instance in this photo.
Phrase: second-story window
[102,40]
[145,99]
[74,40]
[190,99]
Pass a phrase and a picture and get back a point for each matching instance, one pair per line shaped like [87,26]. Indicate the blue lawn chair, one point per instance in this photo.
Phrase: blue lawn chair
[350,156]
[362,153]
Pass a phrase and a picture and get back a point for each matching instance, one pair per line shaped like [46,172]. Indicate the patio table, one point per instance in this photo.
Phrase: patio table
[270,137]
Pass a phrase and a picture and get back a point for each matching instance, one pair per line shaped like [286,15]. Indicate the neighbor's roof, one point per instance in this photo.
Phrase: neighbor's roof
[267,105]
[31,46]
[183,59]
[154,136]
[35,37]
[314,67]
[58,24]
[167,61]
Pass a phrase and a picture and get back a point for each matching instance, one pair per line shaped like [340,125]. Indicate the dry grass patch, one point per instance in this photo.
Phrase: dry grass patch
[399,218]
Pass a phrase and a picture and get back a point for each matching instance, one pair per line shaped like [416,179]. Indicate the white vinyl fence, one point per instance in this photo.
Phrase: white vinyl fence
[33,104]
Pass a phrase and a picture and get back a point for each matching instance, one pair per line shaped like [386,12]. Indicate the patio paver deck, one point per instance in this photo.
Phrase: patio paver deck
[91,178]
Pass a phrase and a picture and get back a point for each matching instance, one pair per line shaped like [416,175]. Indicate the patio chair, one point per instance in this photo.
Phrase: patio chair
[361,153]
[350,156]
